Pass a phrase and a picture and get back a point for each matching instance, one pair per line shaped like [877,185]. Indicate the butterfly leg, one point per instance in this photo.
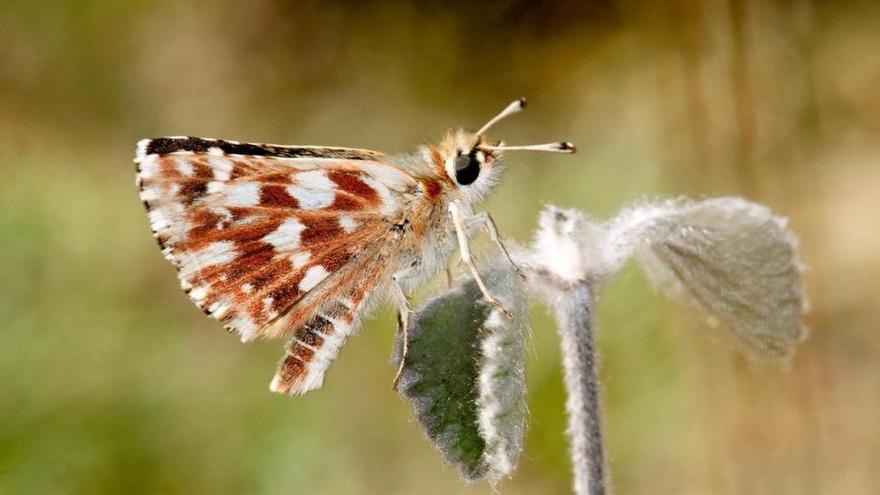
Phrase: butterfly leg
[403,312]
[464,247]
[484,218]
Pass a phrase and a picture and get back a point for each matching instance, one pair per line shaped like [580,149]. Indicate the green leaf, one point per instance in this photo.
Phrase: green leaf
[464,375]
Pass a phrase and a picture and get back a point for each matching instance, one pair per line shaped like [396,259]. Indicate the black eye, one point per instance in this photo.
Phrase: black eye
[467,169]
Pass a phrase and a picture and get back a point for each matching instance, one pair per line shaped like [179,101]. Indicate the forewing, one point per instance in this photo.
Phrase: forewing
[259,233]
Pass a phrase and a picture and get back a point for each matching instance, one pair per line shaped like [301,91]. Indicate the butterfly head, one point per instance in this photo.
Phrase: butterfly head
[472,162]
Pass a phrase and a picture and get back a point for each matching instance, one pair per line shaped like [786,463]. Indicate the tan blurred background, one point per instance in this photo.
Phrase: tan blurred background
[111,381]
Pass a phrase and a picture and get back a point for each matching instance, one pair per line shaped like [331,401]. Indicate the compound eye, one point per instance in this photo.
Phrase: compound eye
[467,168]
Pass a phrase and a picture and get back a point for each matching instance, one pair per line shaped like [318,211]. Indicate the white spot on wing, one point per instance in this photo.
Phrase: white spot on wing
[299,260]
[215,186]
[149,166]
[348,224]
[389,204]
[184,166]
[275,386]
[313,277]
[215,253]
[218,310]
[243,194]
[286,236]
[312,199]
[166,216]
[221,166]
[151,193]
[313,190]
[313,377]
[245,325]
[315,179]
[198,294]
[159,221]
[141,152]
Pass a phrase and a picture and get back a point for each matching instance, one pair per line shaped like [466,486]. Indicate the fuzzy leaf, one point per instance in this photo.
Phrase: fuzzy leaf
[502,403]
[465,375]
[732,258]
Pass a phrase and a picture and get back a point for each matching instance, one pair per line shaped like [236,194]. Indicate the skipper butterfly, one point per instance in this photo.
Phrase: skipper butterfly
[295,242]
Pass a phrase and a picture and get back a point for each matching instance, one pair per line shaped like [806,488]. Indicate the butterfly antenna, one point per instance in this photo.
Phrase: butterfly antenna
[560,147]
[516,107]
[511,109]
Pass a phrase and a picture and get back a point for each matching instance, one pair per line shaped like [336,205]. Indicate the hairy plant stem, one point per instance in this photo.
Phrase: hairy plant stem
[572,300]
[574,315]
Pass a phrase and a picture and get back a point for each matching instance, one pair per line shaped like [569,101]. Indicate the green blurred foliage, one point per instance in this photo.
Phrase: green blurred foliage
[112,382]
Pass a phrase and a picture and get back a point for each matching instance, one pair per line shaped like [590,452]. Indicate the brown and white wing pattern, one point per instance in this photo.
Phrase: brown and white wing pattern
[274,241]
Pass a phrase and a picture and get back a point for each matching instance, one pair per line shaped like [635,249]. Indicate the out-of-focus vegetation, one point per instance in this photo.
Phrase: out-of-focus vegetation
[111,381]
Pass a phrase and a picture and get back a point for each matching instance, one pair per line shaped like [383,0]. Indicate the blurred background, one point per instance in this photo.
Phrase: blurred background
[111,381]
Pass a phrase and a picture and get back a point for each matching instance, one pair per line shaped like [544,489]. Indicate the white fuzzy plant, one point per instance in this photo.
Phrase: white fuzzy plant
[465,370]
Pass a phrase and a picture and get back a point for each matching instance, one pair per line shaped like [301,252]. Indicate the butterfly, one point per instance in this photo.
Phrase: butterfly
[297,242]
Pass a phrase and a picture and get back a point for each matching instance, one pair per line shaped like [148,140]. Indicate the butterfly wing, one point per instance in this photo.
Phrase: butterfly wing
[274,241]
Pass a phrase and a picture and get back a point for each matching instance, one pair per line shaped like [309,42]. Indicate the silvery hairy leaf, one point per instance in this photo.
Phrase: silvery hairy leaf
[732,258]
[464,374]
